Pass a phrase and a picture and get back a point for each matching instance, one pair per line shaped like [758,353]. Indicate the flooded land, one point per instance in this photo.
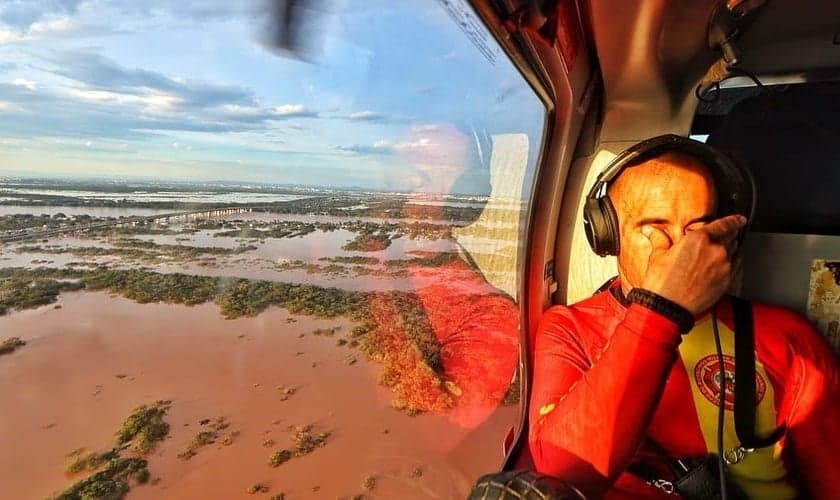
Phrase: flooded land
[169,341]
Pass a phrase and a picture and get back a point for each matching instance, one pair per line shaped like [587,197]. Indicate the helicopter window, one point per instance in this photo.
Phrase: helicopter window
[247,248]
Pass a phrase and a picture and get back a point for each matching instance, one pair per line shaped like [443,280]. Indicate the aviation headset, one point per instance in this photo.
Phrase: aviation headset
[733,182]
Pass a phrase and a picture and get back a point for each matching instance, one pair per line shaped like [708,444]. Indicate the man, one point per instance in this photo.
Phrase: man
[618,384]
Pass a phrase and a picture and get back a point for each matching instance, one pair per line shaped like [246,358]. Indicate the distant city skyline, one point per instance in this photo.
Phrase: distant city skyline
[396,97]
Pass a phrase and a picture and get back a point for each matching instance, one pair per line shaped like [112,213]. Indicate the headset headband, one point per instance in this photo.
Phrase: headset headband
[733,182]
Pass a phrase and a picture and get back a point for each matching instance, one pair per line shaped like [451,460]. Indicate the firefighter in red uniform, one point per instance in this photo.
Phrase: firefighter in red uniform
[629,376]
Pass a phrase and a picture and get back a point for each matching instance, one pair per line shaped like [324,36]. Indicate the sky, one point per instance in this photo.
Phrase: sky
[380,94]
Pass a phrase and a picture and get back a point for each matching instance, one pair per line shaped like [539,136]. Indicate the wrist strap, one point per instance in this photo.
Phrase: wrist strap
[659,304]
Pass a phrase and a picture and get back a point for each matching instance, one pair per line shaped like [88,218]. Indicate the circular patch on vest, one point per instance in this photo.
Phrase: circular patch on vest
[707,378]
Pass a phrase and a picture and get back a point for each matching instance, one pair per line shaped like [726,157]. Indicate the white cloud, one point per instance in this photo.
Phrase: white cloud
[9,36]
[53,27]
[422,145]
[9,106]
[27,84]
[239,110]
[154,101]
[425,128]
[290,109]
[47,29]
[365,115]
[159,102]
[95,95]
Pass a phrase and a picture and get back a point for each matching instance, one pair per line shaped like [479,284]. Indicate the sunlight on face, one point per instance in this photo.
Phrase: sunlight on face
[673,193]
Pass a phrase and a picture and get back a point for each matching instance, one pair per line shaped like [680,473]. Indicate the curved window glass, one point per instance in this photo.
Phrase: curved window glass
[258,247]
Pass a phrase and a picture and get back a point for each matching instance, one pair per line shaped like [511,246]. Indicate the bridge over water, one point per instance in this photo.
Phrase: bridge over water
[193,215]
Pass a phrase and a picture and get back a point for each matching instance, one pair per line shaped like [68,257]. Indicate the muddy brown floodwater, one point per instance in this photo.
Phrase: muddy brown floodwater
[89,363]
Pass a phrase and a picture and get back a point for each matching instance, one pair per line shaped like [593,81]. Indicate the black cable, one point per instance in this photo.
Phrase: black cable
[700,93]
[701,96]
[721,403]
[740,71]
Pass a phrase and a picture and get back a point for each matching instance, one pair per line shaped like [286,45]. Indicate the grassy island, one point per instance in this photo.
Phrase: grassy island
[392,327]
[143,428]
[368,242]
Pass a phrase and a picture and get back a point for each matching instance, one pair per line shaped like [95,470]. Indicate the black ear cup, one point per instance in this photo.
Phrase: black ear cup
[612,239]
[600,223]
[736,192]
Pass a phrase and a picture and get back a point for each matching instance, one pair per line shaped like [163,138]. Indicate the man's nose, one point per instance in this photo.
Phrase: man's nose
[676,234]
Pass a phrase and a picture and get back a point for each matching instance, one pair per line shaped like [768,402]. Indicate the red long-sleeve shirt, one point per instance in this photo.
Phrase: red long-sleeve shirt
[607,377]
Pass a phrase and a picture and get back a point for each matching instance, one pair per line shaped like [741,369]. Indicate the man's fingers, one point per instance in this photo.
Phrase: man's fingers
[658,241]
[725,229]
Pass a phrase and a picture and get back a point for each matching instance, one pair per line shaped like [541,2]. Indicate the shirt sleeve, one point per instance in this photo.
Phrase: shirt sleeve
[588,417]
[814,419]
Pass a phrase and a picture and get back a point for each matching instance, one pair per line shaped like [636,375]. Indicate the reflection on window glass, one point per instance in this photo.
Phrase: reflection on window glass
[232,263]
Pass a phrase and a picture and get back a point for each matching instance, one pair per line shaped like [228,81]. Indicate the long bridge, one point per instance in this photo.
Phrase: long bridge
[134,220]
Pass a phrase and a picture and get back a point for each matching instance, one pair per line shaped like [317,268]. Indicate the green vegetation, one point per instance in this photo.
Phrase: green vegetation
[206,437]
[249,298]
[257,488]
[386,206]
[279,457]
[392,328]
[286,392]
[400,337]
[110,483]
[141,250]
[79,461]
[348,204]
[19,222]
[433,259]
[369,483]
[20,292]
[10,345]
[143,228]
[279,229]
[306,442]
[354,259]
[251,233]
[146,286]
[368,242]
[294,228]
[145,427]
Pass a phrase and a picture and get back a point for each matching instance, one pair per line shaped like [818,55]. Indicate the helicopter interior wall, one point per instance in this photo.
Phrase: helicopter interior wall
[789,136]
[778,267]
[586,271]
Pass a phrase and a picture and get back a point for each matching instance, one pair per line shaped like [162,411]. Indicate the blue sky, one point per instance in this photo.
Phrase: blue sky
[386,95]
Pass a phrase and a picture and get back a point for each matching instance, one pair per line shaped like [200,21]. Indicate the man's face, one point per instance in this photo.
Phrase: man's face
[672,193]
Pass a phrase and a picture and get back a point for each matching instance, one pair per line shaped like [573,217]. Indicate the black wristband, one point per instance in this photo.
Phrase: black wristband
[668,308]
